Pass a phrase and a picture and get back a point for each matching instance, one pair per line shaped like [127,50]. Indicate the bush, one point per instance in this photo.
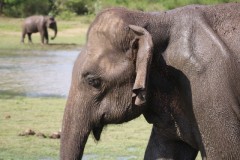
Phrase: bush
[76,6]
[35,7]
[66,15]
[26,8]
[68,8]
[80,7]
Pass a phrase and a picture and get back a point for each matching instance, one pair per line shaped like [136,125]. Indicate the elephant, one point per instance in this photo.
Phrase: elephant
[40,24]
[179,68]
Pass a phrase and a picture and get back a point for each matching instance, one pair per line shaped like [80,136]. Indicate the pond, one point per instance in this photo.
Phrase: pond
[37,73]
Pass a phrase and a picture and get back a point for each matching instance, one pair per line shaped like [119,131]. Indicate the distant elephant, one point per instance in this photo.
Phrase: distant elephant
[40,24]
[179,68]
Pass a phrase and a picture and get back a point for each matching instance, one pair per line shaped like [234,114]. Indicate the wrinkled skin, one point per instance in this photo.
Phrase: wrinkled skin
[179,68]
[39,24]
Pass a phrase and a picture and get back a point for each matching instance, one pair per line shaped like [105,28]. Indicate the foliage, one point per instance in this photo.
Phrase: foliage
[77,6]
[24,8]
[171,4]
[70,8]
[66,15]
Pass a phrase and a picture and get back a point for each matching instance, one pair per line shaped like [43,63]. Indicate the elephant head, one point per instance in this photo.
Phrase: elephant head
[51,23]
[109,80]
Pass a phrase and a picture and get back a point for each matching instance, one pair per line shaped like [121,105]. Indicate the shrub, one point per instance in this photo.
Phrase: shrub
[66,15]
[77,6]
[20,8]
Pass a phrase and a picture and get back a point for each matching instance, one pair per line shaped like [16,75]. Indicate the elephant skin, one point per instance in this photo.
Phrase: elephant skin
[179,68]
[40,24]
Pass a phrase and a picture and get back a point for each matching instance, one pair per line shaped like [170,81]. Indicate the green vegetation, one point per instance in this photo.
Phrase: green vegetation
[44,115]
[66,8]
[40,115]
[23,8]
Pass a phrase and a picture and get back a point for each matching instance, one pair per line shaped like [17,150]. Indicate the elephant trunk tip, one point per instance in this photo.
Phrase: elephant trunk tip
[55,35]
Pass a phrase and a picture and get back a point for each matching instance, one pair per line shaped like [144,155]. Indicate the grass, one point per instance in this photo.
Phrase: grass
[40,115]
[45,115]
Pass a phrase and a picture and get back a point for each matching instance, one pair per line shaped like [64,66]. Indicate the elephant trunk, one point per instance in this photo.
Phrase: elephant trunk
[55,33]
[75,131]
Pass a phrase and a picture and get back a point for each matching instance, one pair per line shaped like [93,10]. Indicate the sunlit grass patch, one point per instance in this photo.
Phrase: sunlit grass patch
[125,141]
[39,114]
[45,115]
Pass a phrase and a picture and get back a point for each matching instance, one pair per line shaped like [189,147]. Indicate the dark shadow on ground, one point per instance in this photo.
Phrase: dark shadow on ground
[64,44]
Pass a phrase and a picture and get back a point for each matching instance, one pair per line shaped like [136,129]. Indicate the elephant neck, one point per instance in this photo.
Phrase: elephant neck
[169,103]
[169,91]
[159,26]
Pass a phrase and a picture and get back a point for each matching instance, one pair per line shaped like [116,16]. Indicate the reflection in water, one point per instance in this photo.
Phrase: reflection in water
[39,73]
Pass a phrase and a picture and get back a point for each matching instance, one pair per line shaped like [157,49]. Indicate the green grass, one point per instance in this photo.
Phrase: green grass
[40,115]
[44,115]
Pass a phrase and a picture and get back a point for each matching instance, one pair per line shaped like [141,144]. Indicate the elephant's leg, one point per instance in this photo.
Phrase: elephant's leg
[160,146]
[46,36]
[23,36]
[42,37]
[29,38]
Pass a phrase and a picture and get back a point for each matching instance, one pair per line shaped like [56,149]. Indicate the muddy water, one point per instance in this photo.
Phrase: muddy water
[36,74]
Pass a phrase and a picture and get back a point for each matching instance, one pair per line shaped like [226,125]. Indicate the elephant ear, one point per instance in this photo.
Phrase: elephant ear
[143,60]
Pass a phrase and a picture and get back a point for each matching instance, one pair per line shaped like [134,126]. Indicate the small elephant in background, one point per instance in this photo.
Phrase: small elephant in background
[40,24]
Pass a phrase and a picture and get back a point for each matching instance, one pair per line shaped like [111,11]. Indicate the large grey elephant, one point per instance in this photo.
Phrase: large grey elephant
[179,68]
[40,24]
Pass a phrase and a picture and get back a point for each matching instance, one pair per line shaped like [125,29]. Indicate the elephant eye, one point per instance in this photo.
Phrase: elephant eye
[93,80]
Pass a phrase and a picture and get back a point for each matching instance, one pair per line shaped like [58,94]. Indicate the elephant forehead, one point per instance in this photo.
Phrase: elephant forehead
[115,35]
[113,70]
[110,64]
[108,26]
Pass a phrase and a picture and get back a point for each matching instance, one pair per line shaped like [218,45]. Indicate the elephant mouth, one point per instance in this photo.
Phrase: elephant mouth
[97,130]
[130,113]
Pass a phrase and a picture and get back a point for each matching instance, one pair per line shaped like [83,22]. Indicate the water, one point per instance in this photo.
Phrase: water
[37,73]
